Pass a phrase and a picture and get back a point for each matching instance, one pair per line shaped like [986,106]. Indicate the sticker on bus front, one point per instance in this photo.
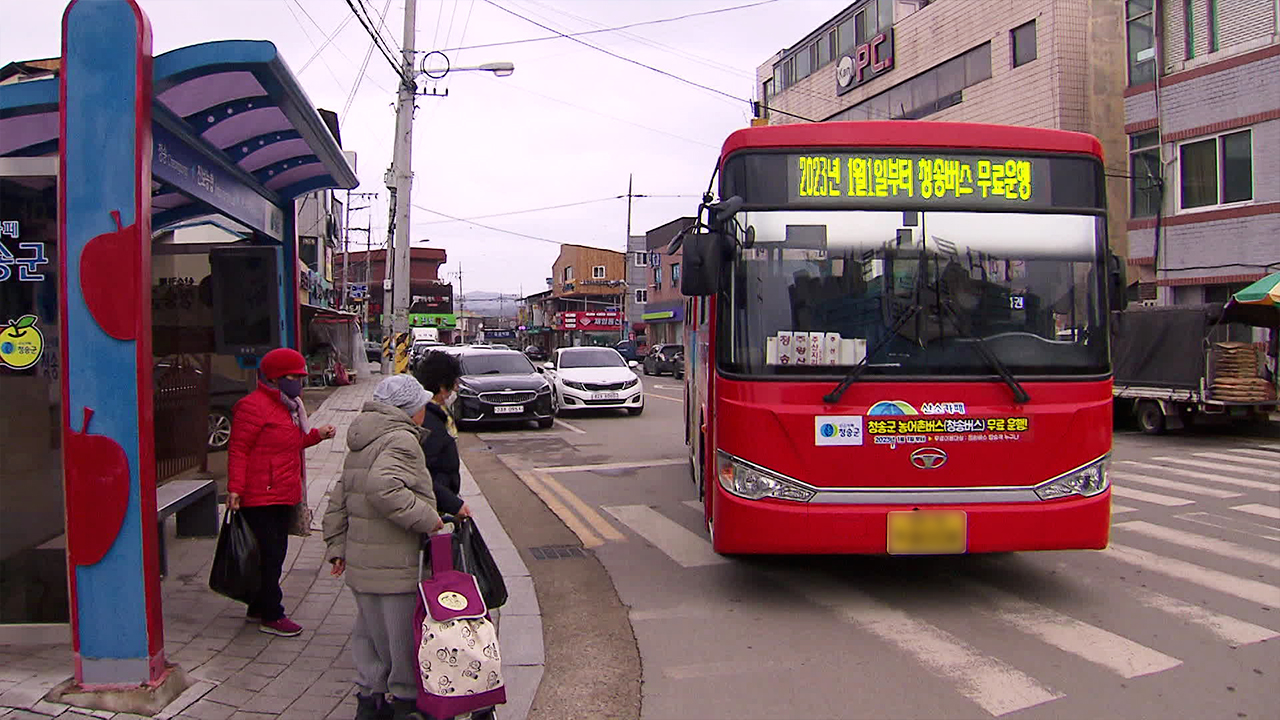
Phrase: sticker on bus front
[837,430]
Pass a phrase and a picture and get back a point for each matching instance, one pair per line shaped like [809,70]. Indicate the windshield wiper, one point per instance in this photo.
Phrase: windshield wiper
[857,370]
[1020,395]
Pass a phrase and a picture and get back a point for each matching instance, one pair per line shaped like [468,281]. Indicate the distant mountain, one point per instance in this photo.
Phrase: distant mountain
[490,303]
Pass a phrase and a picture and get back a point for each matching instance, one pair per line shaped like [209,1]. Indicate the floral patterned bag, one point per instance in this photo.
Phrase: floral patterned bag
[459,666]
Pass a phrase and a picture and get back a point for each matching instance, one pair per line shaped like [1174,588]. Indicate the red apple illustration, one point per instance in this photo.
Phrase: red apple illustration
[109,280]
[97,493]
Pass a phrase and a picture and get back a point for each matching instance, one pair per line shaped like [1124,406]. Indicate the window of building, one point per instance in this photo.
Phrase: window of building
[655,259]
[1216,171]
[642,259]
[886,14]
[777,78]
[933,90]
[1212,22]
[568,273]
[846,36]
[642,296]
[1023,39]
[1142,52]
[657,278]
[822,52]
[860,32]
[804,65]
[1188,28]
[597,272]
[675,274]
[1144,174]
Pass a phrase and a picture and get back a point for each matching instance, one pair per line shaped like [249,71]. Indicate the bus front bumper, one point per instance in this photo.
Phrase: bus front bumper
[777,526]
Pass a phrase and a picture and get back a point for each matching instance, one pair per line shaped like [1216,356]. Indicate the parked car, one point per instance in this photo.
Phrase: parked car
[373,351]
[587,377]
[630,350]
[501,386]
[661,358]
[224,393]
[536,354]
[677,367]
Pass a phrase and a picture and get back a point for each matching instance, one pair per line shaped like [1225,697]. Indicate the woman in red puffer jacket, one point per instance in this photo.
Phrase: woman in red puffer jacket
[265,472]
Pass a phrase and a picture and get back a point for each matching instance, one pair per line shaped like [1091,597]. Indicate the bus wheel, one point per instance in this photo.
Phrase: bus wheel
[1150,417]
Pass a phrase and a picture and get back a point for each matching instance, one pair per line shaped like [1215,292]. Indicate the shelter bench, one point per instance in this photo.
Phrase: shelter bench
[195,502]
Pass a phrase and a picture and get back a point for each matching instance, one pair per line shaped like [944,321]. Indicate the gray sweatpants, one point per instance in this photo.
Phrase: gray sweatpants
[382,644]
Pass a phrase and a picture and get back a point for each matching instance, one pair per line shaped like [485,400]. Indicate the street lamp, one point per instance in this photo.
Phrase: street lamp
[500,69]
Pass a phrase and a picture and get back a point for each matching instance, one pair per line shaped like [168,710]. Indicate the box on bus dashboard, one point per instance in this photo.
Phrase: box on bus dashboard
[899,340]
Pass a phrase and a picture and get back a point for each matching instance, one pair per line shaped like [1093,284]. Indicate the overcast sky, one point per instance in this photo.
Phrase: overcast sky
[567,127]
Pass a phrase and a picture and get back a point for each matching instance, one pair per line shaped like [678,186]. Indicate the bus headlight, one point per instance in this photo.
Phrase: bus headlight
[755,483]
[1086,482]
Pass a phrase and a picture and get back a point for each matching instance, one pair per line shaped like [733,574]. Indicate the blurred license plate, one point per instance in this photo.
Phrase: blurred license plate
[927,532]
[508,409]
[605,396]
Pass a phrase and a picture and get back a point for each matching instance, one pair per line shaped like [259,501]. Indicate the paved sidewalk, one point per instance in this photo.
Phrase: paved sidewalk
[238,672]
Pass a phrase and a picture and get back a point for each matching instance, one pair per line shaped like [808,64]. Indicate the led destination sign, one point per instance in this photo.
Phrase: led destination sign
[866,178]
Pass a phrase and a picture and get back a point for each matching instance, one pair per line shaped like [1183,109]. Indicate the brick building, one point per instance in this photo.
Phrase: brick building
[425,289]
[664,304]
[1040,63]
[1202,114]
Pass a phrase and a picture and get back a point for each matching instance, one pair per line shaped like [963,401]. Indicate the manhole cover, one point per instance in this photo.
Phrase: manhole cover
[555,552]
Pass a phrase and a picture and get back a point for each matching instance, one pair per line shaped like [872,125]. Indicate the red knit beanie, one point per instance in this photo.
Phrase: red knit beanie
[282,361]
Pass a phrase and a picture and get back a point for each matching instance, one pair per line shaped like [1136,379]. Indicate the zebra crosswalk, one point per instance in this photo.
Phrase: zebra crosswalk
[1202,527]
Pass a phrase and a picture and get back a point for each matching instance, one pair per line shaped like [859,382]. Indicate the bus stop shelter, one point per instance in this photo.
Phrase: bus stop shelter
[96,161]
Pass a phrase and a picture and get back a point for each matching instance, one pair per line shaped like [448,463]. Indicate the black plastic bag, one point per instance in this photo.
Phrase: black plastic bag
[237,562]
[471,555]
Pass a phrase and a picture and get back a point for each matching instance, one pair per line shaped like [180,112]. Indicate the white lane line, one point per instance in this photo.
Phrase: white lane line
[1224,479]
[1273,463]
[671,613]
[1258,452]
[1233,524]
[995,686]
[571,428]
[1200,542]
[1265,511]
[614,466]
[1243,588]
[669,387]
[1234,631]
[1101,647]
[1121,509]
[679,543]
[1175,485]
[1150,497]
[664,397]
[1259,472]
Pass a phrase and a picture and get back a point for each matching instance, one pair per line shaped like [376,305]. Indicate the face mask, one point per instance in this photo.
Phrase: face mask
[292,388]
[450,399]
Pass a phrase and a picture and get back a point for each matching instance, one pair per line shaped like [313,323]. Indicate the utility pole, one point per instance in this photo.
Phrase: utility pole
[626,264]
[400,180]
[346,250]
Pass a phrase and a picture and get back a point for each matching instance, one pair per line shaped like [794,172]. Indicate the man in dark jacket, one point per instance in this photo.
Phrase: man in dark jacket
[439,372]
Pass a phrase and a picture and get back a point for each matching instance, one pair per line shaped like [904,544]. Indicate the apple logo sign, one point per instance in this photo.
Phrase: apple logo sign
[844,71]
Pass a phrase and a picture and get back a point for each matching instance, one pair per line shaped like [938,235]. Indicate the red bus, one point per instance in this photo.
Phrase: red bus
[897,340]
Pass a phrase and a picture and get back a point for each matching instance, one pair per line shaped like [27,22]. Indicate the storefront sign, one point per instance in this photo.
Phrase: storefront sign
[447,321]
[494,334]
[29,258]
[865,62]
[185,168]
[590,320]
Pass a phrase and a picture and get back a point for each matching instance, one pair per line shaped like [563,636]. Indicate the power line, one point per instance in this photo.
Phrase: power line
[364,66]
[608,29]
[490,227]
[522,212]
[327,41]
[307,35]
[624,58]
[389,40]
[377,43]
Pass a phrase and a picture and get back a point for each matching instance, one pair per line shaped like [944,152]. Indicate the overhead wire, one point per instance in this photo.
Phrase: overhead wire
[651,68]
[617,28]
[377,41]
[552,207]
[389,40]
[327,41]
[364,66]
[307,35]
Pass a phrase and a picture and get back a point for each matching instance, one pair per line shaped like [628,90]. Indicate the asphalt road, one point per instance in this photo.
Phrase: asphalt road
[1180,617]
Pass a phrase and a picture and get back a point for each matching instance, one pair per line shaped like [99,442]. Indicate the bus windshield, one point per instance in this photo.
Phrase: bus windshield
[816,290]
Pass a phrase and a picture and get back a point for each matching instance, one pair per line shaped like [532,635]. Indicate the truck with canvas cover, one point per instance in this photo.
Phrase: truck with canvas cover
[1195,361]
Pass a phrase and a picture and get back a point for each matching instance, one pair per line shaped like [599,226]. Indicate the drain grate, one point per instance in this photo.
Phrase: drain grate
[556,552]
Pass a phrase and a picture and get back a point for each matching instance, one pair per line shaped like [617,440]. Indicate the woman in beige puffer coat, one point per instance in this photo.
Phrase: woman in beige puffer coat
[378,512]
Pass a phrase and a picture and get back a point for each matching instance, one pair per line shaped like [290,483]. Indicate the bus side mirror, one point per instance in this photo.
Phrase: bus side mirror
[703,259]
[1118,286]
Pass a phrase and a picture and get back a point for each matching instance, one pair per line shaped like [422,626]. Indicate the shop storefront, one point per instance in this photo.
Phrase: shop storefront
[598,328]
[665,322]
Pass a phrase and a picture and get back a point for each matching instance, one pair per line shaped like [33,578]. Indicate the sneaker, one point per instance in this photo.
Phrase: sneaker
[405,709]
[284,627]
